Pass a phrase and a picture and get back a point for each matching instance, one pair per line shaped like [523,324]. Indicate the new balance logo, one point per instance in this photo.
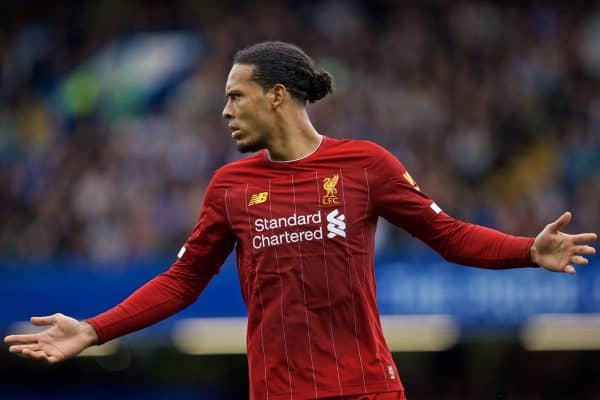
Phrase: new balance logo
[336,224]
[258,198]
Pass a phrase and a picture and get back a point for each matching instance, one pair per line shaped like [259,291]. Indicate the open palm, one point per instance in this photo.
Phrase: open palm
[65,338]
[560,252]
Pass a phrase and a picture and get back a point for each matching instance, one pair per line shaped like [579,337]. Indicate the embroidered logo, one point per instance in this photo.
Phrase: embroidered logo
[336,224]
[330,186]
[258,198]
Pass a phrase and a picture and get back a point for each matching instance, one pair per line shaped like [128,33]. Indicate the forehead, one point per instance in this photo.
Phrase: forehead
[240,76]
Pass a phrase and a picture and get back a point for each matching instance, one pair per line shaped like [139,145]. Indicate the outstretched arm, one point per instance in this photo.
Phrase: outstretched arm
[475,245]
[158,299]
[66,337]
[560,252]
[396,197]
[200,258]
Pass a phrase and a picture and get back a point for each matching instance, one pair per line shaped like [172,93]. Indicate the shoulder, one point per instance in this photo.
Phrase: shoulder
[355,145]
[369,153]
[237,171]
[230,175]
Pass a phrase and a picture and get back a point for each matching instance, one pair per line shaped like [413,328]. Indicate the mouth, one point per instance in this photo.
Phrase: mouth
[235,134]
[235,131]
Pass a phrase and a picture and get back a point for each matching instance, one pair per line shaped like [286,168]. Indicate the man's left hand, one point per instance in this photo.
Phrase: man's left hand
[560,252]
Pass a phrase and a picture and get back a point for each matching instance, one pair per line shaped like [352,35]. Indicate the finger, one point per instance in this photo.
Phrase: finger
[38,355]
[587,250]
[569,269]
[584,238]
[53,359]
[579,260]
[20,347]
[561,222]
[52,353]
[46,320]
[21,338]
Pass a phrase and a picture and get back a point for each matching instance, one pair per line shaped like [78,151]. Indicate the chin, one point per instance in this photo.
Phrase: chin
[250,147]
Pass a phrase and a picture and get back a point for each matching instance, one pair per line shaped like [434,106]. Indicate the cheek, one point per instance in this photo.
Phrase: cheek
[253,114]
[246,110]
[262,113]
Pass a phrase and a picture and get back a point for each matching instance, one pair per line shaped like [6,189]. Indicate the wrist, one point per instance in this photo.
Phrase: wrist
[89,332]
[533,254]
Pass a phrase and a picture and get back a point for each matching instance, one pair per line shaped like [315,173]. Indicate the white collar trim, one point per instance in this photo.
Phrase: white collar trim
[301,158]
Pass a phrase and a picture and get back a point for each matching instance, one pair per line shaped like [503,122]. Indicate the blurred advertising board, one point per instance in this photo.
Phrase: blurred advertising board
[476,298]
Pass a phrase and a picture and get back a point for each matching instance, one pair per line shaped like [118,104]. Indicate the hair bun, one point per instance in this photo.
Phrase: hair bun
[321,85]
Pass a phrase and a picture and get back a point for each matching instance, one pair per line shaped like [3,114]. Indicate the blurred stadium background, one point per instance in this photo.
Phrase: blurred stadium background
[110,128]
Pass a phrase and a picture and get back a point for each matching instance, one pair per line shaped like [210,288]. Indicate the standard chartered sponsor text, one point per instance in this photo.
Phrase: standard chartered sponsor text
[265,238]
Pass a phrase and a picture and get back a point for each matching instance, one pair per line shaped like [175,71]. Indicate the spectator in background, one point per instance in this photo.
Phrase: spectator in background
[509,104]
[301,214]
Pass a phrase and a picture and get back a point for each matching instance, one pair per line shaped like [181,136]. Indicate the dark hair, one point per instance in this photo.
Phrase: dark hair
[287,64]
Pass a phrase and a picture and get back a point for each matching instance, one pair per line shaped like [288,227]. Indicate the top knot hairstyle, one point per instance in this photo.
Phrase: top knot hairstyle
[286,64]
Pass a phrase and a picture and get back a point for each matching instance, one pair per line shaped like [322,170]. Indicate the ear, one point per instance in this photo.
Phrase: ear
[277,95]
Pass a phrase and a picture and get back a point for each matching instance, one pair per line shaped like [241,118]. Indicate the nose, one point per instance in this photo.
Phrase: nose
[227,114]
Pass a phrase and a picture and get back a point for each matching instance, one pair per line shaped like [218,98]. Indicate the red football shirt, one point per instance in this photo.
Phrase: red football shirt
[304,237]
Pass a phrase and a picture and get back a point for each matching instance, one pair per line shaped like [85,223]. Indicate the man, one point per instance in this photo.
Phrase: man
[302,214]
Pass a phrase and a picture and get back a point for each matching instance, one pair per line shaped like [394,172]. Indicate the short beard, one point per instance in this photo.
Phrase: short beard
[253,146]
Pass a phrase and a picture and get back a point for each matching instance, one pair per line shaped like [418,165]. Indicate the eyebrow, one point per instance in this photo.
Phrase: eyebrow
[232,92]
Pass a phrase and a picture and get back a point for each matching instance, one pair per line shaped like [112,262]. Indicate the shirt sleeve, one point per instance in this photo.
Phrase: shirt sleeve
[198,260]
[397,198]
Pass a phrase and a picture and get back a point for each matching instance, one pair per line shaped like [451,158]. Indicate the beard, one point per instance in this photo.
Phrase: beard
[252,146]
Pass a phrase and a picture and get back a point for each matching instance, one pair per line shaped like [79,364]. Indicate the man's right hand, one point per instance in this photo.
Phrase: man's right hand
[65,337]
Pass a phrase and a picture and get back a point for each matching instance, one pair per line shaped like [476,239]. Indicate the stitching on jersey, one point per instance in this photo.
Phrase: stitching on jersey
[365,276]
[328,295]
[312,363]
[349,259]
[287,360]
[262,337]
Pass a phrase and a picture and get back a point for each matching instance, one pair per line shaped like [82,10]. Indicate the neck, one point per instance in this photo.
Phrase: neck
[295,138]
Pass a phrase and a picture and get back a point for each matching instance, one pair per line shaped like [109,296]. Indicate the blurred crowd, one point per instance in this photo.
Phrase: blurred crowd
[494,109]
